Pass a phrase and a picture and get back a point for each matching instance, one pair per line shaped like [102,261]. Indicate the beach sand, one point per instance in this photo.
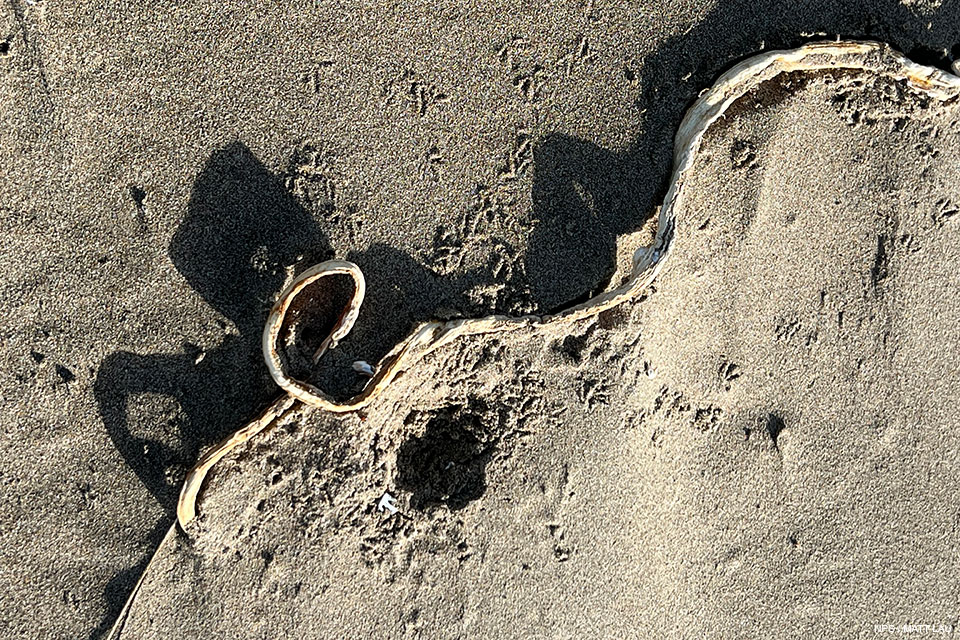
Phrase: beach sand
[765,445]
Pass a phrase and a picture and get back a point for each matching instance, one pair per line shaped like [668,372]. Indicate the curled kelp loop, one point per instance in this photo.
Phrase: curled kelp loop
[284,307]
[870,57]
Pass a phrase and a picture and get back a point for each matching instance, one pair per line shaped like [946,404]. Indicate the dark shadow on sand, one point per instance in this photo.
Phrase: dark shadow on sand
[584,196]
[240,229]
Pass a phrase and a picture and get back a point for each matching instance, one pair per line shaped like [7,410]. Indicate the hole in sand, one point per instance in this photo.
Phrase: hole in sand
[775,427]
[446,465]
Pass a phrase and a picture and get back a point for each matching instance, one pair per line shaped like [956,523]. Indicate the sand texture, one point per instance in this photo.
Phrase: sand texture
[764,443]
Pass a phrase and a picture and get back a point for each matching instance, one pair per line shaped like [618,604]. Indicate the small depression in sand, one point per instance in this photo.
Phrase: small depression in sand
[446,464]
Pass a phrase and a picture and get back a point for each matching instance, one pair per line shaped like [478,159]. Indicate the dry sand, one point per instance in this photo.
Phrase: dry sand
[766,446]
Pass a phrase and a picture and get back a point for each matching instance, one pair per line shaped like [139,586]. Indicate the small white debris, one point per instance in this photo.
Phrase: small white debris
[362,366]
[387,502]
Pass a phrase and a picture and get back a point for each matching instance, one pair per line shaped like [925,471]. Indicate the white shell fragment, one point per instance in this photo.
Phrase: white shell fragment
[362,366]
